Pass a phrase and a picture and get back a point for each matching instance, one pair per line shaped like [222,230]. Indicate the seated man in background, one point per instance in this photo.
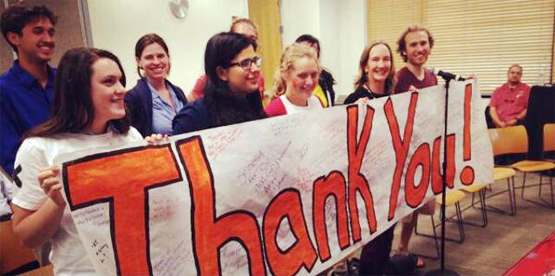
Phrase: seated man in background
[508,102]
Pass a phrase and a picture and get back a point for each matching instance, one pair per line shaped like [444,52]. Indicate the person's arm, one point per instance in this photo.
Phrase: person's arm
[187,120]
[34,227]
[196,92]
[10,137]
[518,118]
[495,117]
[522,114]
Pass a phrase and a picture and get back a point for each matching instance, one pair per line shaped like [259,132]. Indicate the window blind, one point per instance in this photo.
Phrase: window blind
[475,36]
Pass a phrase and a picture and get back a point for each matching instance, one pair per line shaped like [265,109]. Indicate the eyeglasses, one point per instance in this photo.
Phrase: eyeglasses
[246,64]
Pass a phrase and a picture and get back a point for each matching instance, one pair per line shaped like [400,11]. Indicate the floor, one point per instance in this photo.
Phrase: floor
[493,249]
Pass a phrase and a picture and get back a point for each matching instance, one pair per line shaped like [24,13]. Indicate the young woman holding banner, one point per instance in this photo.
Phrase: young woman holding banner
[88,112]
[296,78]
[231,90]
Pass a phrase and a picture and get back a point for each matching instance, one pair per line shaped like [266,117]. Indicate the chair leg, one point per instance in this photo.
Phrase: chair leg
[434,237]
[482,194]
[552,198]
[540,189]
[512,194]
[512,198]
[460,221]
[482,200]
[523,185]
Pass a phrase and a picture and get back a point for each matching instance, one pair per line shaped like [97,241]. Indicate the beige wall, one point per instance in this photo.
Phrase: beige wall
[116,25]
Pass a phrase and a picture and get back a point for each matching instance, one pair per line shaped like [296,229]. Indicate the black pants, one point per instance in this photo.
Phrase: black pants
[375,254]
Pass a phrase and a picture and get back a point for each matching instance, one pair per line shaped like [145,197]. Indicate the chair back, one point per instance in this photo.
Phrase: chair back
[508,140]
[549,137]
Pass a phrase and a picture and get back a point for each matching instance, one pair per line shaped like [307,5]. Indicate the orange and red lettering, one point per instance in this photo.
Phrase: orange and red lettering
[357,181]
[210,232]
[287,205]
[400,145]
[415,194]
[437,177]
[333,185]
[123,178]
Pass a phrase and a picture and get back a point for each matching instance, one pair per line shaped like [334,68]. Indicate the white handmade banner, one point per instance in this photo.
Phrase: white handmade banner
[285,195]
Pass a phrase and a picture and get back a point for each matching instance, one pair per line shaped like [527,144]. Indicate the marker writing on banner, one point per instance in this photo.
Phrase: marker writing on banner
[129,203]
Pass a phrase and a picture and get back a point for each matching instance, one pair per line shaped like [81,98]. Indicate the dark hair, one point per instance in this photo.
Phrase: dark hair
[72,106]
[224,105]
[16,16]
[311,40]
[146,40]
[362,76]
[402,45]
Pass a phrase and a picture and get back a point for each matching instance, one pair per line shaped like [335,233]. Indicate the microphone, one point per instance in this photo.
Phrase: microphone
[446,75]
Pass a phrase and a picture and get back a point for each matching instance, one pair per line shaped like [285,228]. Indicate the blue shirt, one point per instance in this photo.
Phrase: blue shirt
[23,105]
[194,116]
[162,112]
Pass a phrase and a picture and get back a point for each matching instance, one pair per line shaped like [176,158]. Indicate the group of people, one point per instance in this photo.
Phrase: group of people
[46,112]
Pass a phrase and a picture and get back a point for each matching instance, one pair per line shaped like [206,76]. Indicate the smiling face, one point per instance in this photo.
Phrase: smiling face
[417,47]
[241,81]
[301,78]
[155,62]
[378,67]
[36,42]
[107,92]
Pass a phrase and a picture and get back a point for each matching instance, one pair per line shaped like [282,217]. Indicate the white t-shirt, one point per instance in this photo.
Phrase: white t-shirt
[68,254]
[313,104]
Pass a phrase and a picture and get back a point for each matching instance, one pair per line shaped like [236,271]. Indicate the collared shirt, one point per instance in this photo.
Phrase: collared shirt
[162,112]
[24,103]
[509,102]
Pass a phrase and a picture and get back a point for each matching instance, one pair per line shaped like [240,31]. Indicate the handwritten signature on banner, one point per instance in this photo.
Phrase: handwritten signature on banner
[221,201]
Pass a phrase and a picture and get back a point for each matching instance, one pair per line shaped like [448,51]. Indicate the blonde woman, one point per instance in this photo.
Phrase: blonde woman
[296,78]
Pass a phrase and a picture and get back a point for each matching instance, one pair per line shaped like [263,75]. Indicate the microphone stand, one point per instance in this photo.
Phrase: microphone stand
[442,270]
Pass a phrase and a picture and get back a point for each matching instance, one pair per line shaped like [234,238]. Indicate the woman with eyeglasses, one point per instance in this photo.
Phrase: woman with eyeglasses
[248,29]
[296,78]
[154,101]
[231,90]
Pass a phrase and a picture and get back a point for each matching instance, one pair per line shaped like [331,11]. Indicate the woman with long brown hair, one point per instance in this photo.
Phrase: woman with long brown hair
[88,112]
[376,73]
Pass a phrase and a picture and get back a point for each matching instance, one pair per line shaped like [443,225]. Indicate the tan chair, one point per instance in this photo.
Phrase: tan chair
[14,257]
[480,190]
[549,138]
[515,140]
[503,173]
[452,197]
[548,145]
